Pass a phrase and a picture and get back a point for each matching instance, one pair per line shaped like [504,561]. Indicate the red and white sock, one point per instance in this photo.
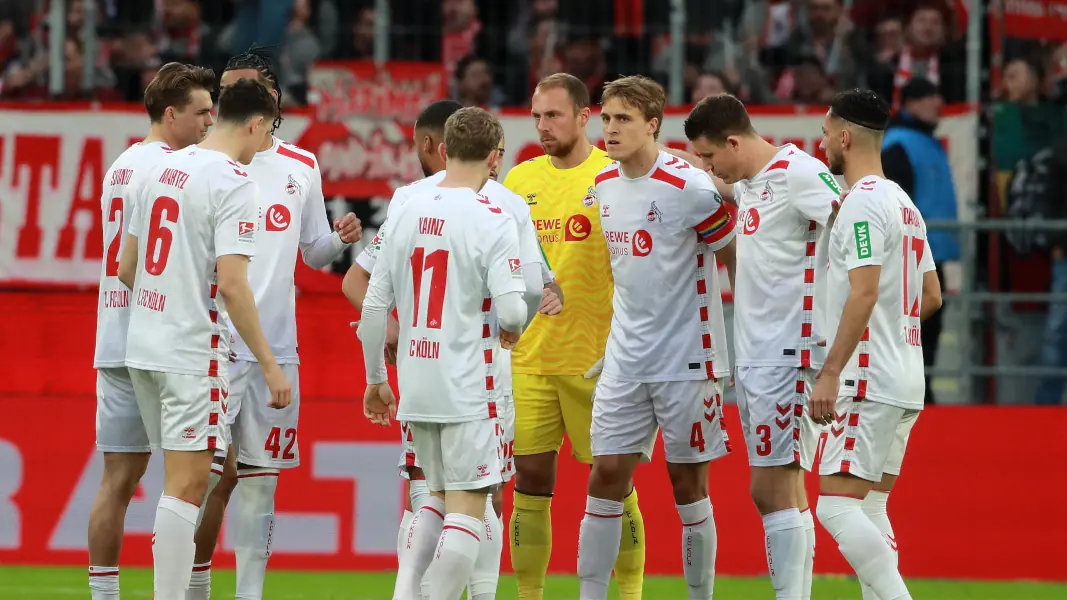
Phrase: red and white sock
[200,582]
[875,506]
[699,545]
[785,544]
[809,556]
[416,554]
[598,546]
[453,562]
[104,583]
[862,545]
[173,548]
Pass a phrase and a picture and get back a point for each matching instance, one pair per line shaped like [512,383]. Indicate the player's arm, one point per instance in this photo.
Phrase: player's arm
[813,193]
[232,252]
[379,300]
[319,246]
[713,221]
[931,295]
[505,280]
[128,259]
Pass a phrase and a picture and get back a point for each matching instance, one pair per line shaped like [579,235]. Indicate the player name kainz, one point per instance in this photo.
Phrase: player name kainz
[424,348]
[431,226]
[174,177]
[152,300]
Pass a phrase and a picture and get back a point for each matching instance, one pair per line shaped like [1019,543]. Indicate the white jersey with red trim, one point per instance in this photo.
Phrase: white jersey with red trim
[292,218]
[782,212]
[122,184]
[879,225]
[667,323]
[449,251]
[198,205]
[529,247]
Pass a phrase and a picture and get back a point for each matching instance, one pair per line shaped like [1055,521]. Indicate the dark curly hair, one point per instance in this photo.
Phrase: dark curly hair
[259,59]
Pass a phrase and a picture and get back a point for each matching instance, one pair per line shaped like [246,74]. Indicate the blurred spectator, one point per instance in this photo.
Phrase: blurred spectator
[1054,345]
[359,43]
[181,31]
[925,54]
[132,56]
[767,26]
[461,31]
[828,35]
[888,40]
[914,159]
[260,22]
[584,58]
[1021,82]
[532,14]
[707,84]
[806,82]
[37,89]
[474,84]
[300,51]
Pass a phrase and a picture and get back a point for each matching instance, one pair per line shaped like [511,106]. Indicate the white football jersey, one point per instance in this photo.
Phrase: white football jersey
[122,184]
[782,212]
[529,246]
[449,251]
[198,205]
[879,225]
[667,323]
[292,218]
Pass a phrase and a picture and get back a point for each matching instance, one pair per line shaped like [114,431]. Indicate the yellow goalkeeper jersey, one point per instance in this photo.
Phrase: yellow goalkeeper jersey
[564,212]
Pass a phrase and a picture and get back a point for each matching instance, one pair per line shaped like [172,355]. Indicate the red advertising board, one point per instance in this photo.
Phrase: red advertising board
[960,508]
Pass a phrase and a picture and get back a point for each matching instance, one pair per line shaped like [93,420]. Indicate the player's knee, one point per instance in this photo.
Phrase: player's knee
[771,491]
[610,477]
[689,481]
[535,474]
[122,473]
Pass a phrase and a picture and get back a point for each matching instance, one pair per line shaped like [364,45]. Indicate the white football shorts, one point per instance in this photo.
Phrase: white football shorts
[773,403]
[119,427]
[458,456]
[866,439]
[263,436]
[626,416]
[182,412]
[505,430]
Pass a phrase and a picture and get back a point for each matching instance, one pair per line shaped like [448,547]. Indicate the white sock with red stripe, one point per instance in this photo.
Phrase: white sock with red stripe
[253,527]
[173,549]
[454,560]
[104,583]
[200,582]
[699,544]
[486,572]
[598,546]
[785,543]
[424,534]
[875,506]
[809,556]
[862,545]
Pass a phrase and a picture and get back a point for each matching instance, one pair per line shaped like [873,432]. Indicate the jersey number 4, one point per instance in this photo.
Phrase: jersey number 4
[437,262]
[160,237]
[913,247]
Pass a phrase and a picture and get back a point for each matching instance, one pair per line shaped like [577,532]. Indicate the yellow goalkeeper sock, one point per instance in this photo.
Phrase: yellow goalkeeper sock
[531,543]
[630,566]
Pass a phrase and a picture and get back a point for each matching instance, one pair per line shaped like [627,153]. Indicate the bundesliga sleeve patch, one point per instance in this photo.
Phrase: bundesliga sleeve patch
[515,264]
[830,182]
[863,239]
[246,231]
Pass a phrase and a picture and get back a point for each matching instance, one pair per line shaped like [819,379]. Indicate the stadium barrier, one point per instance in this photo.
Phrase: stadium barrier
[53,158]
[959,510]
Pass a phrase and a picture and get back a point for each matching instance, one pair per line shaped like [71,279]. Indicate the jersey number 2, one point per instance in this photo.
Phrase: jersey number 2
[436,261]
[164,210]
[913,246]
[114,214]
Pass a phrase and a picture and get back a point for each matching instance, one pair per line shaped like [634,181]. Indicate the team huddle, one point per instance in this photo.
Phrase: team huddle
[582,297]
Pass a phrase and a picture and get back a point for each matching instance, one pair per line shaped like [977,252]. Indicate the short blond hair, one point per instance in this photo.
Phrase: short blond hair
[574,87]
[642,93]
[472,134]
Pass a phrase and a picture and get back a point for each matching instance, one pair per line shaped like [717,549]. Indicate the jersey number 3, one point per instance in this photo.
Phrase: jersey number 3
[164,210]
[437,262]
[913,287]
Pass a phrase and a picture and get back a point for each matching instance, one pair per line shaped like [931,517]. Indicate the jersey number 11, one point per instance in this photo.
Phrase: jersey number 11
[437,262]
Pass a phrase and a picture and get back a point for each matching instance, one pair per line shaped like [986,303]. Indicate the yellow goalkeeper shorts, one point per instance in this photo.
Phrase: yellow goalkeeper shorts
[546,406]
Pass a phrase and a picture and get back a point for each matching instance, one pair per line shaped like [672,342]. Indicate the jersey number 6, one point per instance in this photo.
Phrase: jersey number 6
[436,261]
[164,210]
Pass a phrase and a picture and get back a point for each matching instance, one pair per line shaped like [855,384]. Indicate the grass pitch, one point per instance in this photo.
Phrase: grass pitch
[35,583]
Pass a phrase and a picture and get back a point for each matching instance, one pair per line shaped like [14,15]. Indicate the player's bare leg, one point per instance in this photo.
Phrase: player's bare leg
[486,574]
[173,548]
[598,540]
[875,507]
[122,472]
[774,492]
[457,550]
[840,511]
[223,480]
[809,534]
[699,536]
